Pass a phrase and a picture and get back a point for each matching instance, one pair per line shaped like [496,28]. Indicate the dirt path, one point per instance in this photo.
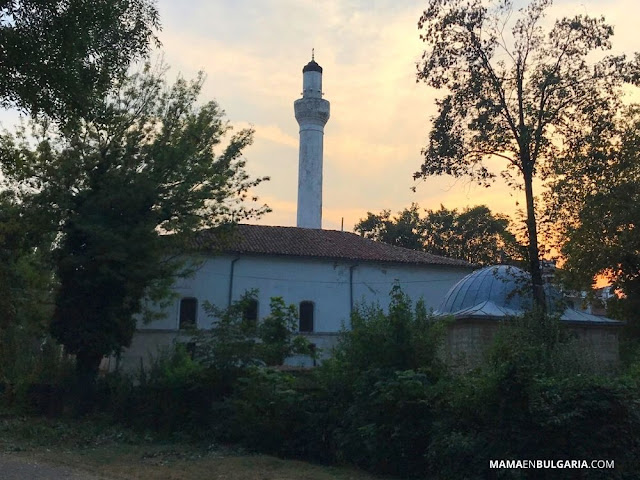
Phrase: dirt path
[14,467]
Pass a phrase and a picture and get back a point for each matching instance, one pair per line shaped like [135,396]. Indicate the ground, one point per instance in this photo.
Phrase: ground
[38,448]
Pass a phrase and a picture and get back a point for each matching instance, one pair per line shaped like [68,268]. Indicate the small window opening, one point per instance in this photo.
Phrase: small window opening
[250,312]
[188,309]
[306,316]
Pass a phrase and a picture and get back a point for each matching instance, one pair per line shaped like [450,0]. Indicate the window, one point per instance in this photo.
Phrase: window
[306,316]
[250,311]
[188,309]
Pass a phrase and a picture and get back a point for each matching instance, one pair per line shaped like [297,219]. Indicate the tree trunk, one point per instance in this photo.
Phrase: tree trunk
[87,365]
[534,259]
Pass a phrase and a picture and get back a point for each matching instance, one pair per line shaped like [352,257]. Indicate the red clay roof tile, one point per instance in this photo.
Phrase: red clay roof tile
[328,244]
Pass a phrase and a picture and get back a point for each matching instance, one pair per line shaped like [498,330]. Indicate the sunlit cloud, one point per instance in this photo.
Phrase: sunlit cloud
[253,54]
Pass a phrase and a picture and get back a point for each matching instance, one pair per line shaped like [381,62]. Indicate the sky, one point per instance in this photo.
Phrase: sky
[253,53]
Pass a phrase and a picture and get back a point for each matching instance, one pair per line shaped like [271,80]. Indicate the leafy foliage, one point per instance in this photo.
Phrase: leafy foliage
[386,402]
[236,341]
[595,200]
[475,234]
[267,413]
[111,185]
[402,339]
[512,91]
[406,229]
[26,277]
[59,58]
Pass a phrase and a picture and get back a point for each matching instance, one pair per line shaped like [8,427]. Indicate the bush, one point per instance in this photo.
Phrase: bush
[405,338]
[381,381]
[175,396]
[266,413]
[34,371]
[236,341]
[387,428]
[535,398]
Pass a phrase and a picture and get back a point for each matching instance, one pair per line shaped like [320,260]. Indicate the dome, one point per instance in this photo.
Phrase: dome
[502,291]
[312,66]
[497,290]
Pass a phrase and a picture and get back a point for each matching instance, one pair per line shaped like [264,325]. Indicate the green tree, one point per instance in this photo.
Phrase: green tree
[406,229]
[111,185]
[26,294]
[475,234]
[595,200]
[59,57]
[236,340]
[511,90]
[26,278]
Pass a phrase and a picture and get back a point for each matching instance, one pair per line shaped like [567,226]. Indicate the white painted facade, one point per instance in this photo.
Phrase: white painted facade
[332,286]
[312,114]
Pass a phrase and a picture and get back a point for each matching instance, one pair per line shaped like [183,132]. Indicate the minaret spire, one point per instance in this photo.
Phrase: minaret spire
[312,114]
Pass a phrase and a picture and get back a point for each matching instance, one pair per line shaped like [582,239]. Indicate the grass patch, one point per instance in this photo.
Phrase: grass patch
[106,450]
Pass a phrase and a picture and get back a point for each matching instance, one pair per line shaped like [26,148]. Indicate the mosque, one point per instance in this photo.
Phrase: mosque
[326,273]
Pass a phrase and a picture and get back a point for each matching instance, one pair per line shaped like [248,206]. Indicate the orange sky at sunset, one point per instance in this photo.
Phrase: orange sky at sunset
[379,115]
[253,54]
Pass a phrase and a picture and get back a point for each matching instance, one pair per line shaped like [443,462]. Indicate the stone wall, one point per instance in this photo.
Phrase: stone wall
[148,344]
[464,347]
[467,342]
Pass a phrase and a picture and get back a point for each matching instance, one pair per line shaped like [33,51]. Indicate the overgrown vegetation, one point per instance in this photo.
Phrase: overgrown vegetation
[150,162]
[475,234]
[236,339]
[386,402]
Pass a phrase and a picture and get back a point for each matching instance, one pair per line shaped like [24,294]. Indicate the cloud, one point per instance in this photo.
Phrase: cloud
[254,53]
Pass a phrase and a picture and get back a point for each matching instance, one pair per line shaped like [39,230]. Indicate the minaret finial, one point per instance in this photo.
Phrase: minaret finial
[312,54]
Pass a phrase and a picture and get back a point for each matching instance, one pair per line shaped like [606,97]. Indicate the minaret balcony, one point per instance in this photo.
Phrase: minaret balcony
[311,110]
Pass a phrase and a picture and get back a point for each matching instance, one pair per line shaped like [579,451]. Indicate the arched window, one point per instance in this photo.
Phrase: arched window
[188,310]
[306,316]
[250,311]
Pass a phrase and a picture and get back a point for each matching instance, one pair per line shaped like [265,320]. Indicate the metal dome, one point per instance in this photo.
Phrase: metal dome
[501,291]
[505,286]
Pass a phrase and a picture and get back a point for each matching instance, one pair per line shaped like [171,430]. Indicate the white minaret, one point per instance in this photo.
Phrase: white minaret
[312,113]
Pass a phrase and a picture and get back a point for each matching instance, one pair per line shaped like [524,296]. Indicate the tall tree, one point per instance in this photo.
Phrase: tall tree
[475,234]
[406,229]
[595,200]
[512,89]
[26,276]
[59,57]
[111,185]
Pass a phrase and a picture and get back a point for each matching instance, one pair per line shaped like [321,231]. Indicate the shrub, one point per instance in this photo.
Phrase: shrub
[34,371]
[402,339]
[235,341]
[387,428]
[266,413]
[381,380]
[174,396]
[535,398]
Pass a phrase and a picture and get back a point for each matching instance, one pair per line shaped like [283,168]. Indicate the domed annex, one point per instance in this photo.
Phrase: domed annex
[502,291]
[481,299]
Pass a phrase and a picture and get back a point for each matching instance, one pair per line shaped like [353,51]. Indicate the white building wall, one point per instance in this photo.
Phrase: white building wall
[324,282]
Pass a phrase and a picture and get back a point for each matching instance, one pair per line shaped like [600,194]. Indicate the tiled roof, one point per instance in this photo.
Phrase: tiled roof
[308,242]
